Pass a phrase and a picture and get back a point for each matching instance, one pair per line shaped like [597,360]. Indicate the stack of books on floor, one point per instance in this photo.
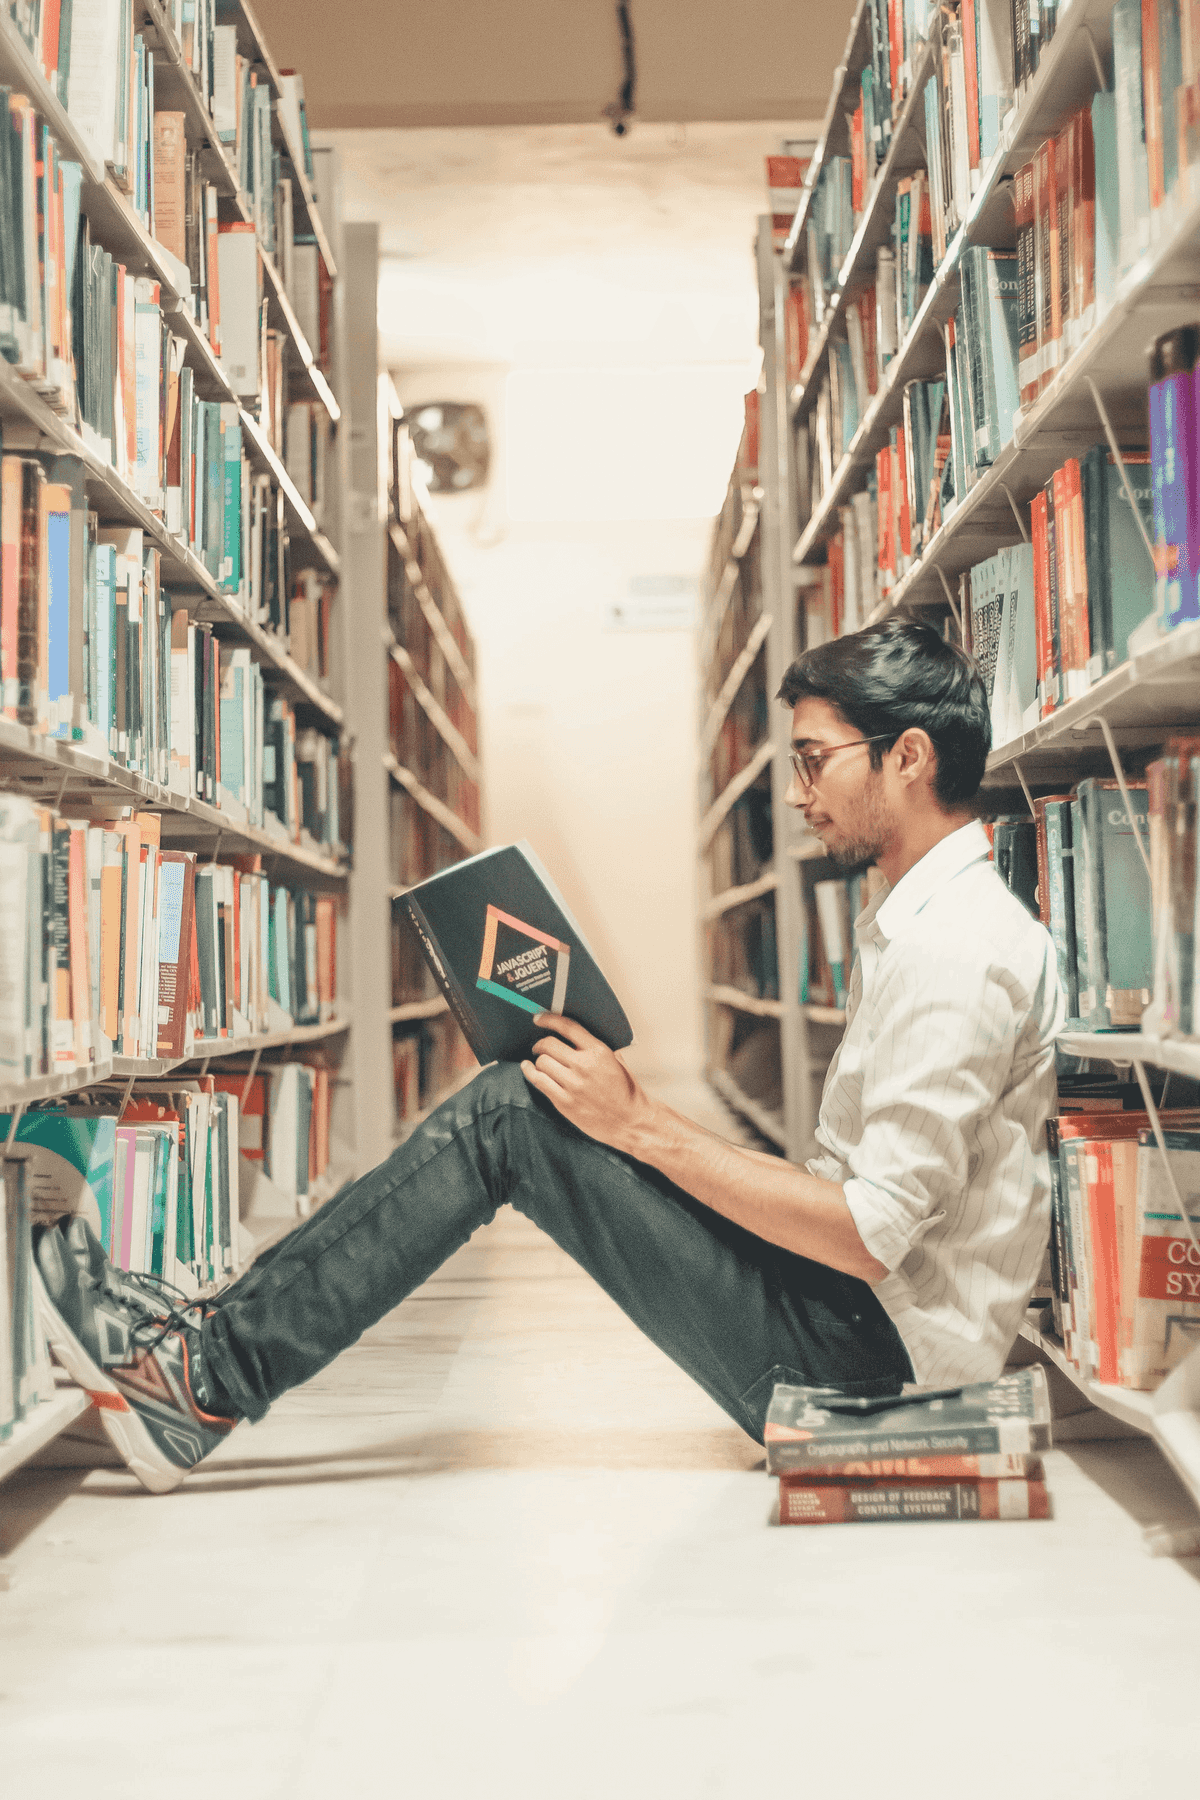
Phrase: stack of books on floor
[26,1379]
[970,1452]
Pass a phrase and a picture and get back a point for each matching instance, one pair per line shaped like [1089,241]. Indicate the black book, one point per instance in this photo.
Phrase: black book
[503,946]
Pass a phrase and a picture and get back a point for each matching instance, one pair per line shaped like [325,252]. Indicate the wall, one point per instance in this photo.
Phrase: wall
[589,735]
[474,62]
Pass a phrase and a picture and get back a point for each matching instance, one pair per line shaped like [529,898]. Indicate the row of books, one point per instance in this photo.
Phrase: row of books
[827,949]
[121,946]
[743,729]
[969,1454]
[156,1178]
[419,745]
[418,844]
[413,629]
[1125,1260]
[742,950]
[743,845]
[26,1378]
[428,1062]
[94,650]
[104,73]
[1093,896]
[284,1122]
[742,611]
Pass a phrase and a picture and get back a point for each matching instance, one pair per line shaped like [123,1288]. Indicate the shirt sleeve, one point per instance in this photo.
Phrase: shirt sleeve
[932,1069]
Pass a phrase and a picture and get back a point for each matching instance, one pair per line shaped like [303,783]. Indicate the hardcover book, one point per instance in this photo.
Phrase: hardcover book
[807,1426]
[877,1502]
[503,946]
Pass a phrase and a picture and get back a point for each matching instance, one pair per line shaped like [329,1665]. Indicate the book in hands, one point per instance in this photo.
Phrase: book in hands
[503,946]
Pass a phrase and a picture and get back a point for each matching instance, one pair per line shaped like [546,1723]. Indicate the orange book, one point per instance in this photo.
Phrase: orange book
[971,78]
[170,178]
[1096,1175]
[1152,102]
[1043,631]
[110,935]
[1083,222]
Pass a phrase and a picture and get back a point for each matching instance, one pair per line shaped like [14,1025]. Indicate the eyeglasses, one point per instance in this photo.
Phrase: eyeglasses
[809,763]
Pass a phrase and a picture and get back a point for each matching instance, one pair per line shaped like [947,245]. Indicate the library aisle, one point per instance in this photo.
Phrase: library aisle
[504,1547]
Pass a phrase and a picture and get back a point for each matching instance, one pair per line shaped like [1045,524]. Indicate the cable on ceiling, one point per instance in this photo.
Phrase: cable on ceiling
[621,110]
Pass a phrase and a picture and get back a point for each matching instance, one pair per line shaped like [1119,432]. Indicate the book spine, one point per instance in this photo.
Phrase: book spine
[446,979]
[879,1503]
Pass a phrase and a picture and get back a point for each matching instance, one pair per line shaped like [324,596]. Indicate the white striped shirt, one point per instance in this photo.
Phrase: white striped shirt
[935,1106]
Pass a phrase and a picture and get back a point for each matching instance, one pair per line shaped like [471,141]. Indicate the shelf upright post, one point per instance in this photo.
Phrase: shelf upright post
[779,532]
[364,546]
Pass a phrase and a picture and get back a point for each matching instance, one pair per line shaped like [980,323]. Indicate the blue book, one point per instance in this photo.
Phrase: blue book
[1173,459]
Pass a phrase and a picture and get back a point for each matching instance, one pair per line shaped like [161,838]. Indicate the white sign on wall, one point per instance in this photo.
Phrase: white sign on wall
[654,603]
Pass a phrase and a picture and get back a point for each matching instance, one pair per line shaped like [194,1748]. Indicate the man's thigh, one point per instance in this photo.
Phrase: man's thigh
[737,1313]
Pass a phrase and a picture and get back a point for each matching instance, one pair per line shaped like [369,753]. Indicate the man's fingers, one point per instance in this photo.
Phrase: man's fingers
[552,1046]
[571,1029]
[544,1084]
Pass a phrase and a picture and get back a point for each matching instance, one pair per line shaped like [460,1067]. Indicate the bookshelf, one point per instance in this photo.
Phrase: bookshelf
[73,770]
[418,771]
[1097,394]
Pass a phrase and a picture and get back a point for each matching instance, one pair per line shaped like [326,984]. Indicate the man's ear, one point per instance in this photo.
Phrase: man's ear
[918,758]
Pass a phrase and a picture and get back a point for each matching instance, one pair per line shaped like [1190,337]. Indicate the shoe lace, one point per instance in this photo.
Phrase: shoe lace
[167,1310]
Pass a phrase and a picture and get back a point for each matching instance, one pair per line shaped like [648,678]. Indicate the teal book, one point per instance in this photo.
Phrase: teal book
[1060,880]
[1113,915]
[1129,588]
[503,946]
[231,558]
[1108,199]
[1133,176]
[1170,78]
[71,1165]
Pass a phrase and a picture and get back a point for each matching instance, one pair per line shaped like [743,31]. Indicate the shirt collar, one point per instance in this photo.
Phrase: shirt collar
[897,907]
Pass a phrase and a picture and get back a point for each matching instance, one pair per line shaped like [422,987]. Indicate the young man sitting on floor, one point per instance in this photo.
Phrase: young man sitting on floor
[906,1251]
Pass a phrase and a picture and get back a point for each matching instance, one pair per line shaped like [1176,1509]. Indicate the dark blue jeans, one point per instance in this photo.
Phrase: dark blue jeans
[736,1313]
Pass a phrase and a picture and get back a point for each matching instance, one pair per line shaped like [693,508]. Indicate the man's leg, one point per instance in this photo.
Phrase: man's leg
[735,1313]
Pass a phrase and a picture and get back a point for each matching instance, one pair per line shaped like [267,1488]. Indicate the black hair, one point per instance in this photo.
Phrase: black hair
[901,673]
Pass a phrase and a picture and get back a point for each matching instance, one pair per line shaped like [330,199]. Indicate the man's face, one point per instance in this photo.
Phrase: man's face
[847,804]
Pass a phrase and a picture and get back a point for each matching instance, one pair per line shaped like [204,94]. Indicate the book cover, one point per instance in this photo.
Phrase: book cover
[1166,1318]
[503,946]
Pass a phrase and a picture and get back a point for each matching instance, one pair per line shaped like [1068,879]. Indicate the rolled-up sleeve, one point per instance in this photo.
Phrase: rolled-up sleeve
[931,1073]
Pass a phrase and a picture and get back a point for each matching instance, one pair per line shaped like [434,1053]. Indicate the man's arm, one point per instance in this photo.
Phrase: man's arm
[785,1205]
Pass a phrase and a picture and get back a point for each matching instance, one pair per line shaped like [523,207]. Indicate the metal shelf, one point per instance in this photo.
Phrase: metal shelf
[434,710]
[1170,1416]
[56,771]
[445,639]
[41,1426]
[741,667]
[1181,1055]
[736,788]
[833,128]
[116,502]
[417,1009]
[437,809]
[747,1003]
[823,1015]
[138,1068]
[767,1123]
[725,902]
[1142,700]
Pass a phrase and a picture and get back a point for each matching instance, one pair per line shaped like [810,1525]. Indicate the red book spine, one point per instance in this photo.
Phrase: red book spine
[895,42]
[1106,1288]
[858,161]
[1084,219]
[904,510]
[1062,560]
[837,584]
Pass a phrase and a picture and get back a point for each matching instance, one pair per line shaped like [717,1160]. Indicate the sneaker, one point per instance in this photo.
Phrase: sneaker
[133,1346]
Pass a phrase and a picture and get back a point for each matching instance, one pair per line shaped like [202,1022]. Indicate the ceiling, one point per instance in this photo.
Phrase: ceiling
[520,62]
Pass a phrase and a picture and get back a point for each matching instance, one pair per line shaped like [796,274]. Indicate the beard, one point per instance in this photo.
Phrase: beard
[865,837]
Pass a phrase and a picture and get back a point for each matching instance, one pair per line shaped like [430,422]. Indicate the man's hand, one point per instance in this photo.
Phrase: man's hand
[587,1082]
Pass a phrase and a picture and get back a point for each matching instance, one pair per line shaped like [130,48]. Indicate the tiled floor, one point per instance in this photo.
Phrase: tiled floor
[504,1549]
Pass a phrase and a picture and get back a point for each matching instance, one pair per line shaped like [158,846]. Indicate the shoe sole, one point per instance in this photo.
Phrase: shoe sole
[129,1437]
